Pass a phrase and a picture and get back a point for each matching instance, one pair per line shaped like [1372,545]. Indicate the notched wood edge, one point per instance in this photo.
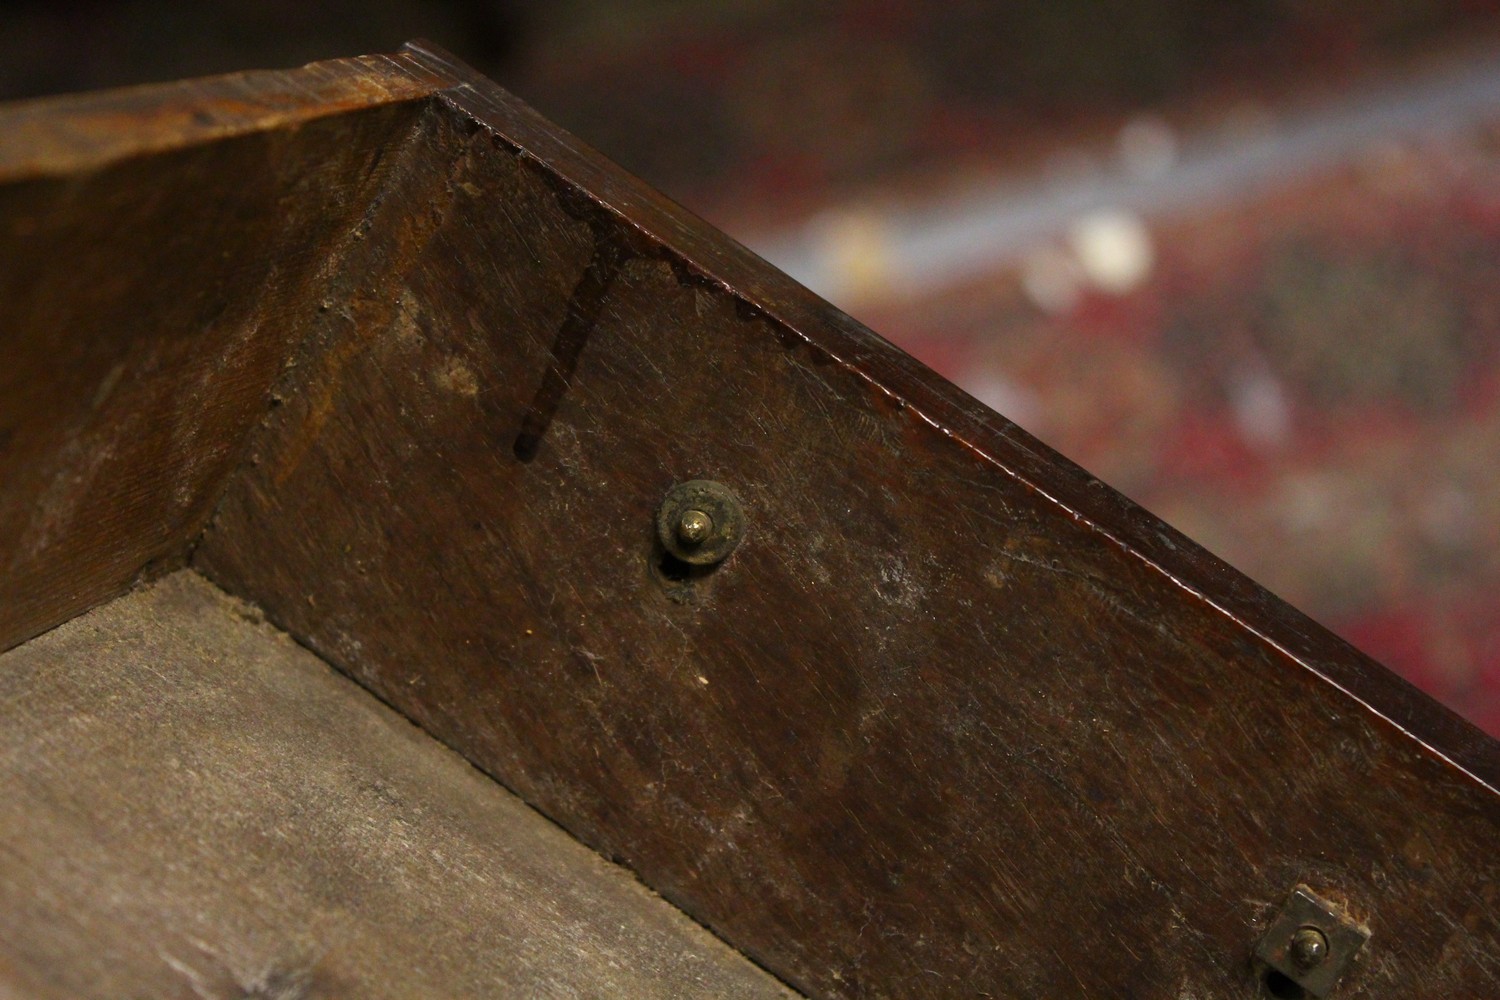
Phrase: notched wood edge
[948,411]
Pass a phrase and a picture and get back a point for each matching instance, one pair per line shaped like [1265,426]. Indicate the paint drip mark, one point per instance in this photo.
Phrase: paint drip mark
[567,347]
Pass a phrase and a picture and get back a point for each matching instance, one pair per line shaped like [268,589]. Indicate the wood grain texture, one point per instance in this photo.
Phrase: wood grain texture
[194,806]
[955,720]
[72,135]
[156,246]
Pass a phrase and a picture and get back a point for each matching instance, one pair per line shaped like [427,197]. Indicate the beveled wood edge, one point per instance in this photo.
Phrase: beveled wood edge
[52,136]
[952,413]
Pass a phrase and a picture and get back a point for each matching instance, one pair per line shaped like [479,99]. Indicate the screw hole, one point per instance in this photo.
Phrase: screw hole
[678,575]
[1282,987]
[673,569]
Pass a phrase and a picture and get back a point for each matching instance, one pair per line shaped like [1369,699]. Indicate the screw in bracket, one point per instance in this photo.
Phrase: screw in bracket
[1311,942]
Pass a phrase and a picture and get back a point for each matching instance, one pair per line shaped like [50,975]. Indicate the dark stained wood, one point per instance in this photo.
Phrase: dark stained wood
[195,806]
[156,246]
[955,720]
[61,136]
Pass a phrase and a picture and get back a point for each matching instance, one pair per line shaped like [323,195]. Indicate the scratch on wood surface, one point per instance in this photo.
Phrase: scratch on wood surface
[567,347]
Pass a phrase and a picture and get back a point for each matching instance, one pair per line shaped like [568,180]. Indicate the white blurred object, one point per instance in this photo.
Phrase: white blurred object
[1114,250]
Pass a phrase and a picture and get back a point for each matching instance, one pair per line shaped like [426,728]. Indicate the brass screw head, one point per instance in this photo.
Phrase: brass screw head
[694,527]
[1308,948]
[699,522]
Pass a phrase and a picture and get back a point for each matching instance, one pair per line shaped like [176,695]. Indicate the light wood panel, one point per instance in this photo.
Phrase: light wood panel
[192,805]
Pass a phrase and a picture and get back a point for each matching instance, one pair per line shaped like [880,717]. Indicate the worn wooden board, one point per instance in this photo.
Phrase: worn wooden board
[156,246]
[194,806]
[956,718]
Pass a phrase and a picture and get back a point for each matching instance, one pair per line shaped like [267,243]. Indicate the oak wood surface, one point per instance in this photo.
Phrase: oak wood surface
[194,806]
[955,719]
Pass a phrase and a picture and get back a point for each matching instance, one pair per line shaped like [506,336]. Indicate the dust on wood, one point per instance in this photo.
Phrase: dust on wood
[193,805]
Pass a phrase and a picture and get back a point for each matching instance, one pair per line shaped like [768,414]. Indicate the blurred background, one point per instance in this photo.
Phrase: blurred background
[1238,259]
